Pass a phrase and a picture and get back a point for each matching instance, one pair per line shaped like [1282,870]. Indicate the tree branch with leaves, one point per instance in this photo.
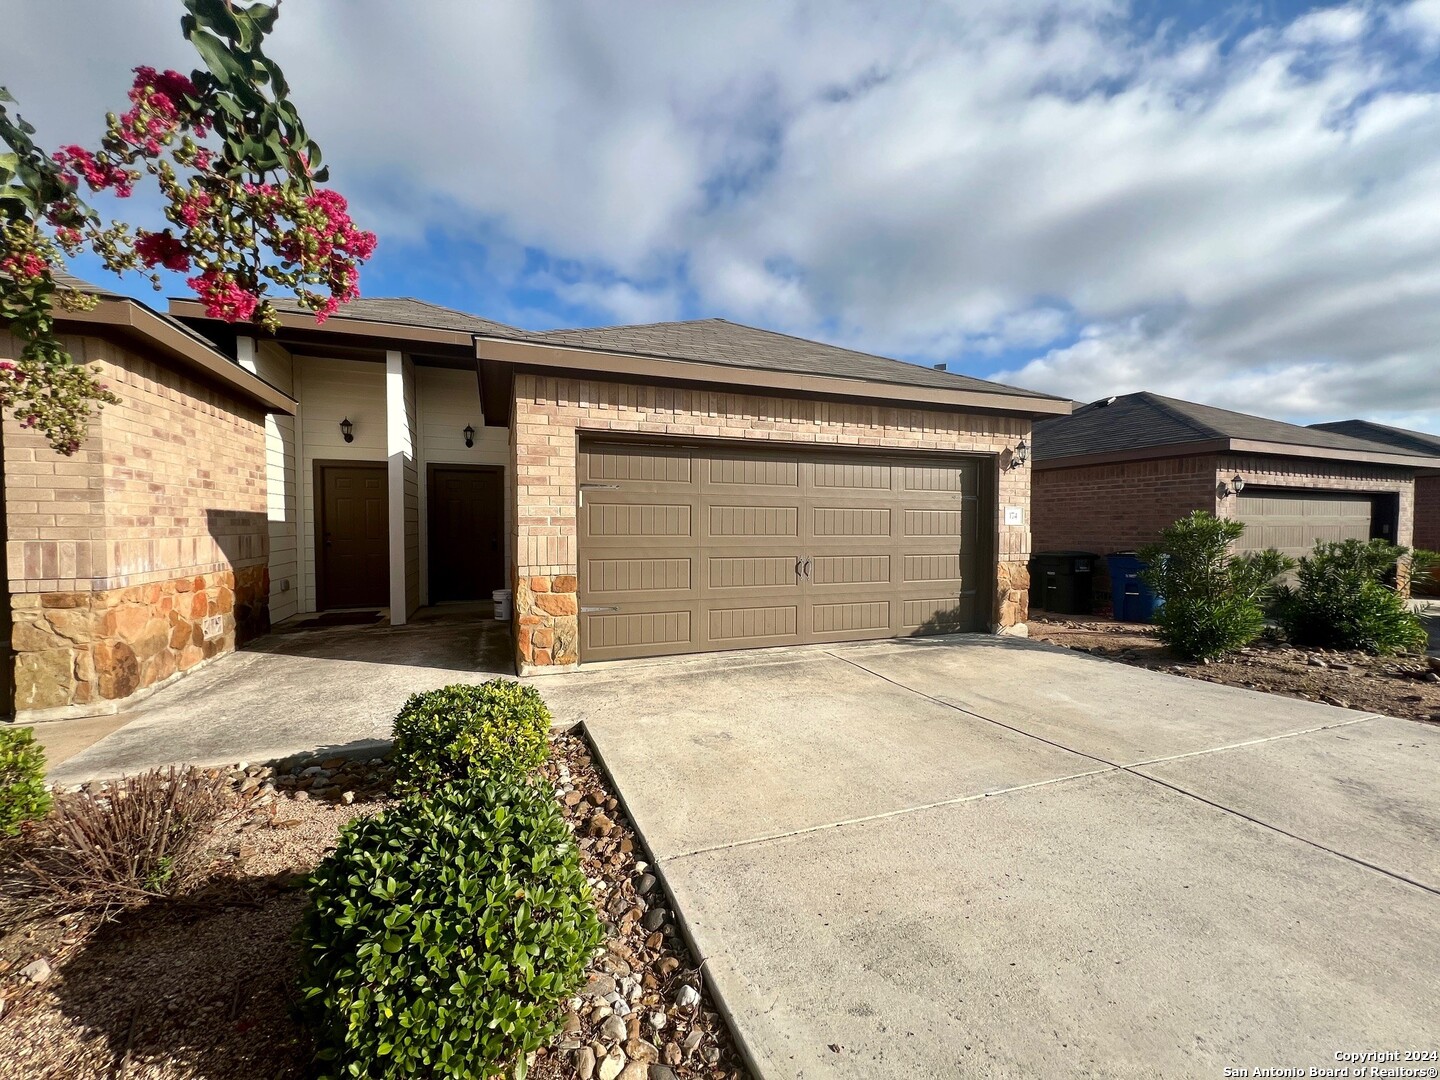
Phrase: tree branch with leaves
[239,177]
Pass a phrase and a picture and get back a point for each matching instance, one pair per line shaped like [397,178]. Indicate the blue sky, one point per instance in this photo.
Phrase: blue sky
[1232,203]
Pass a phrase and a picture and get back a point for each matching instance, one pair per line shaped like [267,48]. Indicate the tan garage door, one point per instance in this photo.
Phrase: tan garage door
[691,549]
[1293,520]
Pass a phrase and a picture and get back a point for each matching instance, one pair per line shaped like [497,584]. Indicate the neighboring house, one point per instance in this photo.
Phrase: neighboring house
[645,490]
[1427,481]
[1111,475]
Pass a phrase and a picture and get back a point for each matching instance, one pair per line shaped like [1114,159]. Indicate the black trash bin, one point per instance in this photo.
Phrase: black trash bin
[1060,582]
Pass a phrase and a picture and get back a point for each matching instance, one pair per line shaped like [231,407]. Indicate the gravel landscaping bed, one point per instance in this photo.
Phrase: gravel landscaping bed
[1403,686]
[205,987]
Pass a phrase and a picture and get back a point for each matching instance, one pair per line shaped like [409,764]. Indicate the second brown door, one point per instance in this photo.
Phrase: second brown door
[467,532]
[354,555]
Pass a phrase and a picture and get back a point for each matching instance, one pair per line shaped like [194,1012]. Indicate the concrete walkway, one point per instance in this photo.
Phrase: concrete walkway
[321,690]
[994,858]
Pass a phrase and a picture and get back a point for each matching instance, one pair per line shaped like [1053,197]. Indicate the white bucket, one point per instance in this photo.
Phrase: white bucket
[502,599]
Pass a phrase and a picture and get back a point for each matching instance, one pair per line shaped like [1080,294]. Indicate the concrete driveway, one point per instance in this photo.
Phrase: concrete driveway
[995,858]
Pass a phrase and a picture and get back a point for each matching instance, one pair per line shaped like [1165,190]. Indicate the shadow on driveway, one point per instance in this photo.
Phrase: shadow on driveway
[335,688]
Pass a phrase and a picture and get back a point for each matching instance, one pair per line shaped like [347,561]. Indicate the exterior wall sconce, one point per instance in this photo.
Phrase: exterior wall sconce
[1019,455]
[347,429]
[1234,486]
[469,436]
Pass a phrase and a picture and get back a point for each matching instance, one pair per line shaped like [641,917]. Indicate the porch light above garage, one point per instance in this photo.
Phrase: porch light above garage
[347,429]
[469,436]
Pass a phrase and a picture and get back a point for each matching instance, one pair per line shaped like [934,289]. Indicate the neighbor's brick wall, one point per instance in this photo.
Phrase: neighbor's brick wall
[1120,506]
[551,413]
[1427,512]
[166,499]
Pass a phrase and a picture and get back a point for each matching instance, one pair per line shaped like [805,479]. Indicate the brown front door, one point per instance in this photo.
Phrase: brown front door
[354,540]
[693,549]
[467,532]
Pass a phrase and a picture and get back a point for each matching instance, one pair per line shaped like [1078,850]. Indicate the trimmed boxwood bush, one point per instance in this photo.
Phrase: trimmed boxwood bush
[1341,600]
[470,732]
[444,933]
[22,779]
[1212,598]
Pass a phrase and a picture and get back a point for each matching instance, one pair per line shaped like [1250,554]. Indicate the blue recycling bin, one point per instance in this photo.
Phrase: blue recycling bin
[1130,598]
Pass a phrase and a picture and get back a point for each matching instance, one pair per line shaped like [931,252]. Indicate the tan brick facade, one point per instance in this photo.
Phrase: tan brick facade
[551,413]
[113,553]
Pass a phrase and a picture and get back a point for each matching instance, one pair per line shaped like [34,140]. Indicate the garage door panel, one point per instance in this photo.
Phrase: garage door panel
[638,519]
[747,571]
[640,575]
[850,570]
[833,620]
[755,474]
[938,614]
[753,625]
[890,547]
[604,465]
[959,479]
[610,635]
[850,521]
[764,521]
[851,477]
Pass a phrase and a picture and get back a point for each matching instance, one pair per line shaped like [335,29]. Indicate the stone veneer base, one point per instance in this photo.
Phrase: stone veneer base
[89,653]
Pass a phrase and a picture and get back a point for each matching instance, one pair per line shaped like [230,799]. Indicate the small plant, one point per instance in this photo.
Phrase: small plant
[444,932]
[138,839]
[467,732]
[1213,598]
[1341,600]
[22,780]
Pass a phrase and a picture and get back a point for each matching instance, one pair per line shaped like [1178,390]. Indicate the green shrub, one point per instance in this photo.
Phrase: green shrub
[1213,599]
[22,779]
[469,733]
[444,932]
[1340,600]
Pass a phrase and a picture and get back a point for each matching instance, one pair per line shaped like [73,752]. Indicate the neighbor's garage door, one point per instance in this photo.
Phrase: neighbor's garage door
[703,548]
[1293,520]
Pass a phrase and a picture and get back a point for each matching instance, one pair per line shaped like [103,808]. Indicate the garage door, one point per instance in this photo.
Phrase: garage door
[703,548]
[1293,520]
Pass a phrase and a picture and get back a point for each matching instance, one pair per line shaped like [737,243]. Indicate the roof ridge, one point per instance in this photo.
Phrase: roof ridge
[1169,407]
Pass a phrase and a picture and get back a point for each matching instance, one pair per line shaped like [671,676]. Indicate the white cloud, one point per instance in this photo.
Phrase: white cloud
[1251,221]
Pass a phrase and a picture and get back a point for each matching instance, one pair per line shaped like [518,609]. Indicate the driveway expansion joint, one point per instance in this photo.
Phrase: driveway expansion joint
[1133,771]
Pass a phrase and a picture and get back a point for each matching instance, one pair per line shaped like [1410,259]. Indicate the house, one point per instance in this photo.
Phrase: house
[644,491]
[1114,473]
[1427,481]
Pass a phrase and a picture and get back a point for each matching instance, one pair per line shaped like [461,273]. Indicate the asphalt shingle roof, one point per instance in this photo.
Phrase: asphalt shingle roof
[1415,442]
[718,341]
[408,311]
[67,280]
[1146,420]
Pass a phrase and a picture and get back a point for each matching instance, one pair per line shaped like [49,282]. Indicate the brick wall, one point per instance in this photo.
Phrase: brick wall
[1427,512]
[1120,506]
[117,556]
[551,413]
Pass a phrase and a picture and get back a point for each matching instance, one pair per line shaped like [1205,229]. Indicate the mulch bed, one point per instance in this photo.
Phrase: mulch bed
[1403,686]
[205,987]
